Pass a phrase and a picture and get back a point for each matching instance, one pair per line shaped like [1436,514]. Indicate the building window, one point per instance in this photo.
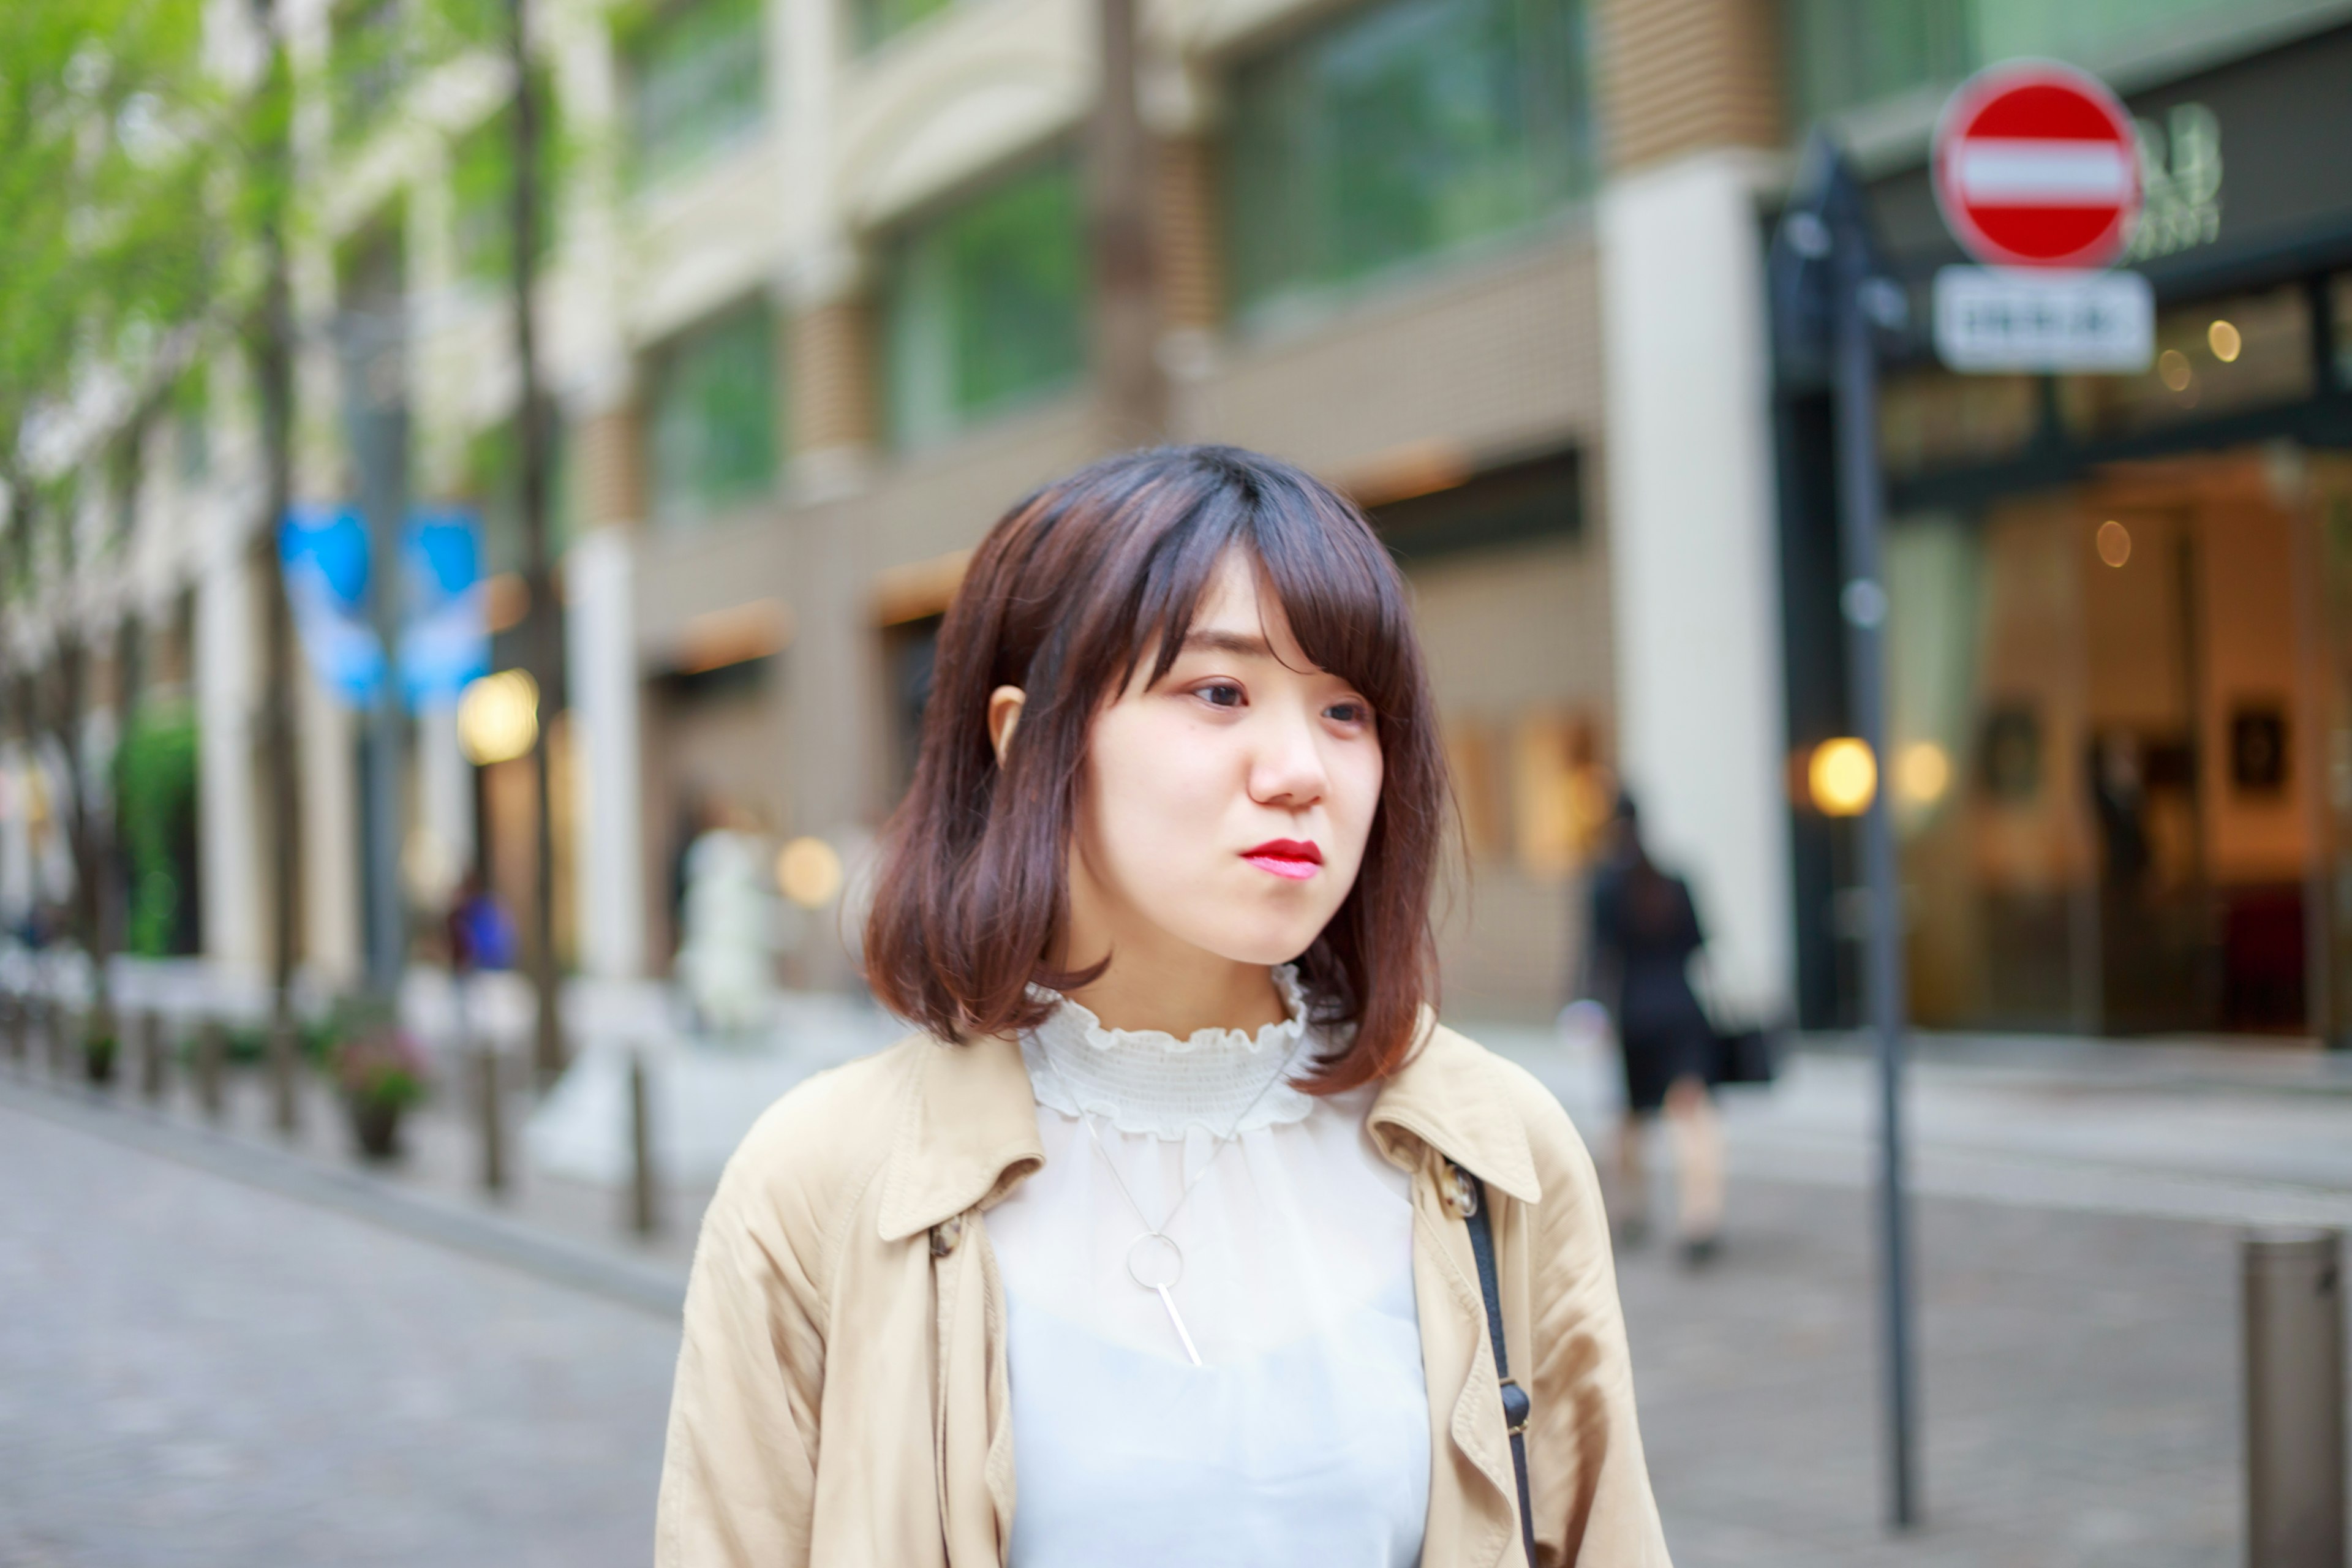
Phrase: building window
[1402,132]
[712,417]
[985,306]
[481,179]
[1841,53]
[879,20]
[696,82]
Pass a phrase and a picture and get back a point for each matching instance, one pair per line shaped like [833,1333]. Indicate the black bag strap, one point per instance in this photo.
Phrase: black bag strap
[1516,1405]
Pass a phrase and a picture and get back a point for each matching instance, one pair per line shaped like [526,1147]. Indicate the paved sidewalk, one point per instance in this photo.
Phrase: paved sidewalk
[195,1371]
[2225,1135]
[2078,1387]
[436,1183]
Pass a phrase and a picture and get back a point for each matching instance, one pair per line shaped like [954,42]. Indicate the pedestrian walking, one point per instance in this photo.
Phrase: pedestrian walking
[1644,934]
[1184,1233]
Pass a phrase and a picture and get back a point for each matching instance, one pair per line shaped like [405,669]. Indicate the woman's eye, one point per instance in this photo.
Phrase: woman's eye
[1348,712]
[1222,694]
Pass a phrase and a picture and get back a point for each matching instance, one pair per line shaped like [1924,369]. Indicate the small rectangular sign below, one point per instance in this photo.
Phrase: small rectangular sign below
[1992,319]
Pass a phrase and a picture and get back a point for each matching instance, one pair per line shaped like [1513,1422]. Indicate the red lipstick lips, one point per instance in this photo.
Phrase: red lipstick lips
[1295,860]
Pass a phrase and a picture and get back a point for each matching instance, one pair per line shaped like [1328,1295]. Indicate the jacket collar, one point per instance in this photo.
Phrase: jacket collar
[968,1134]
[1455,1098]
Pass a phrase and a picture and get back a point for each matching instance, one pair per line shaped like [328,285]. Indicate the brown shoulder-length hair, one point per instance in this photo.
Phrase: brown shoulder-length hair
[1067,596]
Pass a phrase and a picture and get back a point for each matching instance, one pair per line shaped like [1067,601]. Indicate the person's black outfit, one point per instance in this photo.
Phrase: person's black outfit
[1644,930]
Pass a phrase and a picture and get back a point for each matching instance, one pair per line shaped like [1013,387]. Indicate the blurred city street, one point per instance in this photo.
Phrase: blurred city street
[486,487]
[209,1361]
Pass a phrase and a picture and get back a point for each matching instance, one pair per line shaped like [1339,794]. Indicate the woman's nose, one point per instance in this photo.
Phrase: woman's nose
[1289,767]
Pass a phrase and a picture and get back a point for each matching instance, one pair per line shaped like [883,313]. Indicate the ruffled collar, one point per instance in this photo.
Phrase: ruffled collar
[1144,1081]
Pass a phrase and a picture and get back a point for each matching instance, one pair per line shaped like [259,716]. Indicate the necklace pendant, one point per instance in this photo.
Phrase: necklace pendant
[1168,1301]
[1155,1262]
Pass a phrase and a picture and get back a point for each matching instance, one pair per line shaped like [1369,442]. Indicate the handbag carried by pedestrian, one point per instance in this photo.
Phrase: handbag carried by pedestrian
[1746,1054]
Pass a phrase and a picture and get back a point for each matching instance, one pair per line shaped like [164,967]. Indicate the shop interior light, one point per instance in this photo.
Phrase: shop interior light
[1923,771]
[2172,369]
[808,870]
[497,716]
[2114,542]
[2225,341]
[1842,776]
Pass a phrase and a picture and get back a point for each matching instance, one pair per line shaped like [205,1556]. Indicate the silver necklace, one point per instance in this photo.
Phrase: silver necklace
[1154,1260]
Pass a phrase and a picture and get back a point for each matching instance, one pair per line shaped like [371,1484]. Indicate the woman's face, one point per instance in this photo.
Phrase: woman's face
[1227,804]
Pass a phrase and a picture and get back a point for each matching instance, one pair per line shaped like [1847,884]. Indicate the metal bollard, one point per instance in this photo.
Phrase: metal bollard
[212,1056]
[151,1065]
[285,1051]
[2293,1282]
[643,1215]
[55,1032]
[493,1119]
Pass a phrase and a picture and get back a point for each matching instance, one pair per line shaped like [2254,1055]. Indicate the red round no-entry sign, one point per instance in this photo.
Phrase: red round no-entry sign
[2036,165]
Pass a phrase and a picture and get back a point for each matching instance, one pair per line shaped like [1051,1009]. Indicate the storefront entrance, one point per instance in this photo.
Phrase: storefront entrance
[2115,706]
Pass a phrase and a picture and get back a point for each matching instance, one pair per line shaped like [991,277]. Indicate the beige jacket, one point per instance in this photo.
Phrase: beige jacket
[842,1393]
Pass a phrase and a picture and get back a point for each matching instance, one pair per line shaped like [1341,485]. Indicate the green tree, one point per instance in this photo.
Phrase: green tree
[102,250]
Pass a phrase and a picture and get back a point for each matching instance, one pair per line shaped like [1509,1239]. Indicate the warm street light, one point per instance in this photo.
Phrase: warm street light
[497,716]
[1842,776]
[1923,771]
[808,872]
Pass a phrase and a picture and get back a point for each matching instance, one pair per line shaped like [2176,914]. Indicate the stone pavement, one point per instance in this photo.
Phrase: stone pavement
[2077,1210]
[2229,1134]
[196,1371]
[2078,1376]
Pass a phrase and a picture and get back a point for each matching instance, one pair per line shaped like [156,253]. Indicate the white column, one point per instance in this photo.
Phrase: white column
[1694,558]
[236,920]
[445,789]
[608,841]
[328,762]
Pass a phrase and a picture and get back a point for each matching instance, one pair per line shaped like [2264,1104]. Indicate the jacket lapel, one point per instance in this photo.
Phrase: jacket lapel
[1451,1095]
[967,1136]
[1449,1102]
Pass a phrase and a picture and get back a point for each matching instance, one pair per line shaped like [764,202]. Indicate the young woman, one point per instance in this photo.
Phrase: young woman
[1160,1243]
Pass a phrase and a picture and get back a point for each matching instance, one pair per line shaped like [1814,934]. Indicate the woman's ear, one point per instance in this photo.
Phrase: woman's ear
[1003,717]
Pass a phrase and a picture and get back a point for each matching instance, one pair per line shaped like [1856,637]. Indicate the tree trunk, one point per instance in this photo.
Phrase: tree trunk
[1133,387]
[273,358]
[543,654]
[85,835]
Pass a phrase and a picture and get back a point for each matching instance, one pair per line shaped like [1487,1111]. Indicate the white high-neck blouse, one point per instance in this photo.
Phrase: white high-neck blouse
[1303,1436]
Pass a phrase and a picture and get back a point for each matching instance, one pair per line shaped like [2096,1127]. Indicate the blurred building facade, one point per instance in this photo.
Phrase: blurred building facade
[817,310]
[2121,707]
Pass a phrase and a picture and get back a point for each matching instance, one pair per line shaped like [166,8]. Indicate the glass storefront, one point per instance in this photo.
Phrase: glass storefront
[2111,748]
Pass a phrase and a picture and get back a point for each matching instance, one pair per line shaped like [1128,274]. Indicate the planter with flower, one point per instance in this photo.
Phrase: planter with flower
[382,1073]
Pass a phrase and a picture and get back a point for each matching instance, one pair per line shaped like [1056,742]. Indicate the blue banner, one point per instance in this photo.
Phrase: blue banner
[445,635]
[323,553]
[444,638]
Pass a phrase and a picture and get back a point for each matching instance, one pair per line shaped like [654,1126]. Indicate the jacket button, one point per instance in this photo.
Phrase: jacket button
[945,1234]
[1466,1197]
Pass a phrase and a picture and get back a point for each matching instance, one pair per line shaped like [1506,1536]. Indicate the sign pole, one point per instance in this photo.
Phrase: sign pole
[1857,289]
[376,419]
[2035,168]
